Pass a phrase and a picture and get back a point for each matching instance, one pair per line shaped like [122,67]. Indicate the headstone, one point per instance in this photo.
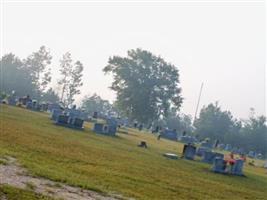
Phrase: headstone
[95,115]
[202,150]
[73,114]
[35,105]
[171,156]
[44,107]
[189,151]
[112,125]
[55,113]
[219,165]
[29,105]
[62,119]
[265,164]
[251,154]
[140,127]
[237,168]
[235,150]
[210,156]
[77,123]
[221,146]
[169,134]
[98,127]
[241,151]
[24,100]
[12,100]
[206,144]
[228,147]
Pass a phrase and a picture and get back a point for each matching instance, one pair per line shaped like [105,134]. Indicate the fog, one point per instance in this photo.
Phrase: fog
[220,44]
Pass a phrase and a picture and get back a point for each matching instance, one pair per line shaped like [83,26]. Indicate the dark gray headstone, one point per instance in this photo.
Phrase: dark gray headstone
[98,127]
[189,152]
[55,113]
[202,150]
[219,165]
[62,119]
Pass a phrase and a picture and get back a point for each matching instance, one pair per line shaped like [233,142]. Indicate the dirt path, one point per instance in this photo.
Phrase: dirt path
[13,174]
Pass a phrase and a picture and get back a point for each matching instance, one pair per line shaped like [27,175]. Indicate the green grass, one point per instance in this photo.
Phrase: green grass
[11,193]
[115,164]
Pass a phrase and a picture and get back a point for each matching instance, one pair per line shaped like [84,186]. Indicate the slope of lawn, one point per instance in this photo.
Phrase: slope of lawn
[11,193]
[115,164]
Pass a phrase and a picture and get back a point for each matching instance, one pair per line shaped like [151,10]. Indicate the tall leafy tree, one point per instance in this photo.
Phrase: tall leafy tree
[213,122]
[254,132]
[15,77]
[95,103]
[146,85]
[38,64]
[179,121]
[65,71]
[71,79]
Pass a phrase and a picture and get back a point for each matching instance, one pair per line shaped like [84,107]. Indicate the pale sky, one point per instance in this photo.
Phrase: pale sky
[220,44]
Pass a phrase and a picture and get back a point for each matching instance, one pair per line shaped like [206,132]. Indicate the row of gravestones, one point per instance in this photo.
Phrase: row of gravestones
[72,118]
[240,151]
[25,101]
[217,159]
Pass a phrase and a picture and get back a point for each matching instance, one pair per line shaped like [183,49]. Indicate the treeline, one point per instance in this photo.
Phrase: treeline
[32,76]
[250,134]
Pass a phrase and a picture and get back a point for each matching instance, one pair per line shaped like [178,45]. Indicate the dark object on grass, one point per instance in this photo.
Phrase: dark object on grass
[142,144]
[159,136]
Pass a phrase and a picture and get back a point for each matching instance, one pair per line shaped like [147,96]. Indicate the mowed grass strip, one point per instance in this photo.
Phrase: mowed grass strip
[115,164]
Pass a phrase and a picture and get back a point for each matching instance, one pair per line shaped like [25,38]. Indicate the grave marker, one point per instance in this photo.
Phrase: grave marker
[189,151]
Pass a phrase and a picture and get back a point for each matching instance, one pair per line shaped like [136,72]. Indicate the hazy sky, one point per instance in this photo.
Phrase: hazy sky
[220,44]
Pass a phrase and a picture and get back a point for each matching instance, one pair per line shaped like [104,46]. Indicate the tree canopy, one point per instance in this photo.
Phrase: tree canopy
[95,103]
[15,77]
[145,84]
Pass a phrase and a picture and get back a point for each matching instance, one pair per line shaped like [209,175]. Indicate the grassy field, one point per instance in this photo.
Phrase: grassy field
[115,164]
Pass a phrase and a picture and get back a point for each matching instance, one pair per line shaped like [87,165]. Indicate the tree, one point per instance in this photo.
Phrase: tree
[50,96]
[213,122]
[38,65]
[71,79]
[65,70]
[254,133]
[146,85]
[95,103]
[15,77]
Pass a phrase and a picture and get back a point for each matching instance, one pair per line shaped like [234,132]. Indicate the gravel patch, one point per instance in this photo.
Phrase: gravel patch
[14,175]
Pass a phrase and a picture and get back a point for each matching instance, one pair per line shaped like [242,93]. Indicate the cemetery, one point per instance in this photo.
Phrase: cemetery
[215,162]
